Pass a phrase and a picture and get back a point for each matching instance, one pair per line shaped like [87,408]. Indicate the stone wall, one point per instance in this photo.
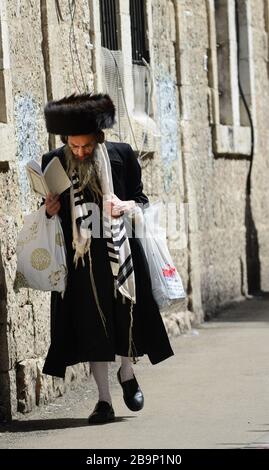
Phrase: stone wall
[216,184]
[24,314]
[260,195]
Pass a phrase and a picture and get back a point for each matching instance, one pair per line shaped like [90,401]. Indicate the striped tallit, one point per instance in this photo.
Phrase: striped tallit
[114,229]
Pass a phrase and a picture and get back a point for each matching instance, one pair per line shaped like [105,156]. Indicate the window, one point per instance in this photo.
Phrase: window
[230,76]
[224,51]
[138,32]
[244,68]
[108,22]
[121,41]
[141,76]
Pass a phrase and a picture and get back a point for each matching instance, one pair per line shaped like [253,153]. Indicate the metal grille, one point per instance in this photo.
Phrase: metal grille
[137,14]
[113,77]
[108,21]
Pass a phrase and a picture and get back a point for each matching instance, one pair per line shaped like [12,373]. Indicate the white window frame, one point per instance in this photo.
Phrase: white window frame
[3,107]
[7,138]
[234,138]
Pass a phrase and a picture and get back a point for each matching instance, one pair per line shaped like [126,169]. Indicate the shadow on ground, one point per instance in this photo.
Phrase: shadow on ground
[48,424]
[250,310]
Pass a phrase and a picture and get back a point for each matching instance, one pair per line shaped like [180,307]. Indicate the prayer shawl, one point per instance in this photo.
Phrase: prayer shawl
[114,230]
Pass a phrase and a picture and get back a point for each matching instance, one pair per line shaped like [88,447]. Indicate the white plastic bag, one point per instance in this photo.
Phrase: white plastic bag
[41,259]
[166,282]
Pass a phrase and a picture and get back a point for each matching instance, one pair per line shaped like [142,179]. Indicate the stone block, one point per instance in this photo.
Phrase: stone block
[193,72]
[26,377]
[194,103]
[192,17]
[23,330]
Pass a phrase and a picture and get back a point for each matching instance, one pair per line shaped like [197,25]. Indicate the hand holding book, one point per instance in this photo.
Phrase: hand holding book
[52,204]
[53,180]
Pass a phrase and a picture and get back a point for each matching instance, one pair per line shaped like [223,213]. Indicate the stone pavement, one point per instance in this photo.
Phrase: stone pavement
[213,394]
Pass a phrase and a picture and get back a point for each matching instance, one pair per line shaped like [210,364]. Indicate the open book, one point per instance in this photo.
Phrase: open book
[53,180]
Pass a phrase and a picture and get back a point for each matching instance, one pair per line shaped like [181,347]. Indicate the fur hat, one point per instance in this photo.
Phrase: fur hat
[79,114]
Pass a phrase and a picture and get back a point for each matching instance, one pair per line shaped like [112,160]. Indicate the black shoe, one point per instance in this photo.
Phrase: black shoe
[102,413]
[132,394]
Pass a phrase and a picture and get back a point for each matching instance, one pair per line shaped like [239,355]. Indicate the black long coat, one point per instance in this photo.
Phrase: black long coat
[77,332]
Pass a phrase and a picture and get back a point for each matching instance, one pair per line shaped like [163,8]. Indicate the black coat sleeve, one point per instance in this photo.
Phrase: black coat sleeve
[44,162]
[43,166]
[46,158]
[134,183]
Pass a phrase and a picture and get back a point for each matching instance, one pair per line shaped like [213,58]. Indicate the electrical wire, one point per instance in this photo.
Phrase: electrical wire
[120,88]
[58,11]
[70,47]
[72,10]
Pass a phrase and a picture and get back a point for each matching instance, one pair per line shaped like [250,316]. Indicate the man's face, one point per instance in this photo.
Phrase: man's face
[82,146]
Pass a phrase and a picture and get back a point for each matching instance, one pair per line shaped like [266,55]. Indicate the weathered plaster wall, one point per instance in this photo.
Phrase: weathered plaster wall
[68,53]
[26,317]
[216,186]
[24,314]
[167,163]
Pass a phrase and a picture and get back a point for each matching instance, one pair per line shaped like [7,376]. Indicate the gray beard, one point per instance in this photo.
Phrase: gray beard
[88,171]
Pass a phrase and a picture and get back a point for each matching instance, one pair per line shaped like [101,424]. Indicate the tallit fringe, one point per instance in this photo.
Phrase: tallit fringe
[130,330]
[131,349]
[80,251]
[102,316]
[123,297]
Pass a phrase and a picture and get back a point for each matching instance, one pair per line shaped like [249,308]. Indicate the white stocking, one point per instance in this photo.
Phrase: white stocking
[126,370]
[100,373]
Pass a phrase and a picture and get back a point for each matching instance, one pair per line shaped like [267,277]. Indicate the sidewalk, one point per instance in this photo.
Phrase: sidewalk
[213,394]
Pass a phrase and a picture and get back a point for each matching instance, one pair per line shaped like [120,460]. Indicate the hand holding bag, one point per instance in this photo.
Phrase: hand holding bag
[41,258]
[166,282]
